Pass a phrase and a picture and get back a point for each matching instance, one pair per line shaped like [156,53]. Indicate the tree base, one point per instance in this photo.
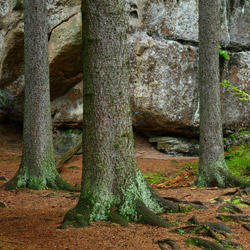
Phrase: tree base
[81,217]
[24,180]
[216,174]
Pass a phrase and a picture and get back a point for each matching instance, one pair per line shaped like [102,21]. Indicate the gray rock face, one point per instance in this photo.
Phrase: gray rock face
[238,23]
[176,146]
[67,110]
[64,44]
[163,43]
[163,77]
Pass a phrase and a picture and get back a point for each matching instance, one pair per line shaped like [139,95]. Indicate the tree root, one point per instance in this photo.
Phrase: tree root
[170,242]
[246,226]
[209,245]
[229,207]
[188,229]
[231,244]
[165,204]
[60,159]
[149,217]
[215,226]
[244,189]
[117,218]
[74,217]
[80,216]
[193,204]
[235,218]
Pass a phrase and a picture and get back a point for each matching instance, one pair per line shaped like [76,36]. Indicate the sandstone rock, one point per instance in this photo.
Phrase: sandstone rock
[170,19]
[176,146]
[64,45]
[164,86]
[163,39]
[67,110]
[65,56]
[178,20]
[235,112]
[239,19]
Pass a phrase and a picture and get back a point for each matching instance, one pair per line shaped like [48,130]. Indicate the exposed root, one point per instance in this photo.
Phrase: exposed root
[235,218]
[149,217]
[246,226]
[215,226]
[218,227]
[229,207]
[75,218]
[165,204]
[204,244]
[231,244]
[188,229]
[60,159]
[244,189]
[170,242]
[80,216]
[117,218]
[194,204]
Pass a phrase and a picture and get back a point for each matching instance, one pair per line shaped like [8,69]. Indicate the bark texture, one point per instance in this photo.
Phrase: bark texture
[113,188]
[37,169]
[212,167]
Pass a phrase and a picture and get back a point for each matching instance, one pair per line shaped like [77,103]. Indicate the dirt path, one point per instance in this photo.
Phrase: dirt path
[31,218]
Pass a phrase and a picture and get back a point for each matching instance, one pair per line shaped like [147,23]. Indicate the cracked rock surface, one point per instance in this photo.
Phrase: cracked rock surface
[163,44]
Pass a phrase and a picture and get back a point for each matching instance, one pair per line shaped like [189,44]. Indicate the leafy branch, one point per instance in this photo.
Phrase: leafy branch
[223,53]
[228,84]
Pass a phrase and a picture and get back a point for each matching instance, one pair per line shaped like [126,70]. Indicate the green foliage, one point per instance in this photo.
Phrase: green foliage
[2,204]
[3,98]
[238,160]
[239,202]
[154,177]
[71,131]
[188,208]
[226,83]
[175,223]
[223,53]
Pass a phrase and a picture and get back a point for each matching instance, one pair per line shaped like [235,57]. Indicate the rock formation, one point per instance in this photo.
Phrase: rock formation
[163,43]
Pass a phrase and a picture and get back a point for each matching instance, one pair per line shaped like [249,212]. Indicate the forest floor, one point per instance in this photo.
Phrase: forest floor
[30,219]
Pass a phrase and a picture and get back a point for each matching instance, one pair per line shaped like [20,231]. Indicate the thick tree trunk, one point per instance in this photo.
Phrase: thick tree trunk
[37,169]
[113,188]
[212,167]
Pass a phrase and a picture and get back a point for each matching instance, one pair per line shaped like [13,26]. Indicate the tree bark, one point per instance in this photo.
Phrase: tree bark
[37,169]
[212,167]
[113,188]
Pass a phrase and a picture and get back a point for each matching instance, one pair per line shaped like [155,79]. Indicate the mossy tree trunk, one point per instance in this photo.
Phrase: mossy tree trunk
[113,188]
[37,169]
[212,167]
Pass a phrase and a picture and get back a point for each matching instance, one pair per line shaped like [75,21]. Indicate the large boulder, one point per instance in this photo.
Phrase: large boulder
[163,44]
[164,86]
[64,31]
[67,110]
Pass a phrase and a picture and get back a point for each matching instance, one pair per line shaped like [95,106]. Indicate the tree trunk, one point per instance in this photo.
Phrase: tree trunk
[113,188]
[37,169]
[212,167]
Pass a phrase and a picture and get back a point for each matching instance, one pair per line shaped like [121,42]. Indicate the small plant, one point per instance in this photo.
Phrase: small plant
[226,83]
[3,98]
[223,53]
[69,131]
[154,177]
